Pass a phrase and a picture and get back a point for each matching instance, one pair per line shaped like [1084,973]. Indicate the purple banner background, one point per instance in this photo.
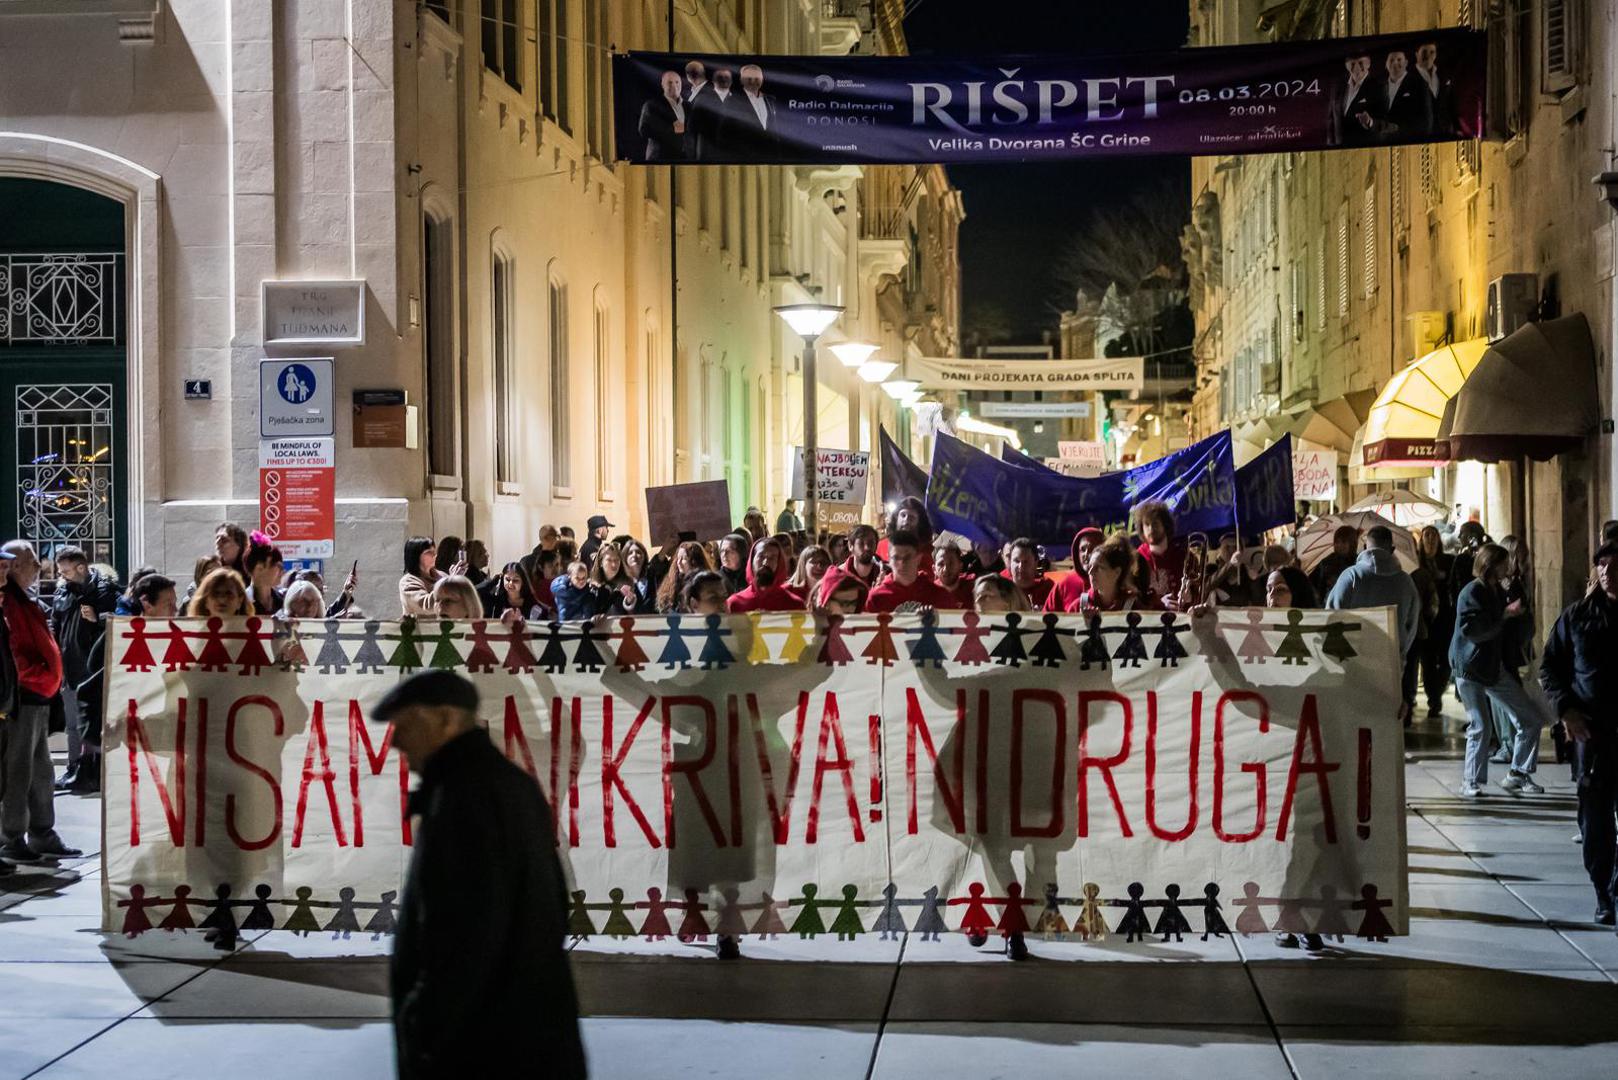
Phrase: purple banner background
[1300,95]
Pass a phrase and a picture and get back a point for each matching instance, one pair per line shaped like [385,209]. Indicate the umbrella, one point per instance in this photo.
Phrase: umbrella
[1314,542]
[1405,508]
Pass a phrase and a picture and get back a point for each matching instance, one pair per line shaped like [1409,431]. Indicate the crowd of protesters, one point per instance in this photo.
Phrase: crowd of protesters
[1462,619]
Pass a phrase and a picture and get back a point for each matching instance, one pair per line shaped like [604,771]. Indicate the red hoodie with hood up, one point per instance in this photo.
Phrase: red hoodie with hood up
[776,597]
[1068,593]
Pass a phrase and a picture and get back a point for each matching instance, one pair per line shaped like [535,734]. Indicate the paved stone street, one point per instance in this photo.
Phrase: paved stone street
[1503,975]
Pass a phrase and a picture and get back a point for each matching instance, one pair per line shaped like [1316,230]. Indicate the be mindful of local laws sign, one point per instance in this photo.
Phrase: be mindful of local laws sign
[295,397]
[1389,90]
[297,496]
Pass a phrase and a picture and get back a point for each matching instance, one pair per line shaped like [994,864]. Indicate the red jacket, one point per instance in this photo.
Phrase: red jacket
[39,661]
[1067,593]
[762,598]
[877,570]
[924,591]
[1037,592]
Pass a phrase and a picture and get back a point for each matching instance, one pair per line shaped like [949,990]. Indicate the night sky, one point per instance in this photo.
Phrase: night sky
[1018,216]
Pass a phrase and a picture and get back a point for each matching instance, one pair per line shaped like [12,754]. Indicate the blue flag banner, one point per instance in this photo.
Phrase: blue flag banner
[1264,490]
[901,477]
[985,499]
[1012,456]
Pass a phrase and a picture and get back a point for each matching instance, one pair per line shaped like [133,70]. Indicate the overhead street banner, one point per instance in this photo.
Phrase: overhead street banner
[1113,373]
[725,109]
[1132,777]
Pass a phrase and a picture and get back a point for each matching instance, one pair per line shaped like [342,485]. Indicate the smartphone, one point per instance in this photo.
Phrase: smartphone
[355,569]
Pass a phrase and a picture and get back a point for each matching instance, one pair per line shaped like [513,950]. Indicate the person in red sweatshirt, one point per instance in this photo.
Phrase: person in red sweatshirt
[1162,554]
[27,778]
[1024,572]
[949,570]
[1069,592]
[862,562]
[906,589]
[766,582]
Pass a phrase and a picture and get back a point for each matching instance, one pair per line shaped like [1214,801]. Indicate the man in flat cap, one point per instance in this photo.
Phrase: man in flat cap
[480,980]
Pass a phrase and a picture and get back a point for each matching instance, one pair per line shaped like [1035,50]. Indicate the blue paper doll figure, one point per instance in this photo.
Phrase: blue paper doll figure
[369,659]
[1048,651]
[930,923]
[890,920]
[1169,651]
[346,922]
[676,654]
[1009,649]
[382,922]
[927,647]
[714,652]
[554,657]
[1094,649]
[331,657]
[1133,648]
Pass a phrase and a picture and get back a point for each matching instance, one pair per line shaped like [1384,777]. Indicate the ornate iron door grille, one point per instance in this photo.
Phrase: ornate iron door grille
[60,299]
[65,467]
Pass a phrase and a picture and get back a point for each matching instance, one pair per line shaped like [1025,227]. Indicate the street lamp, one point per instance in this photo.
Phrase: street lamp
[874,371]
[899,389]
[853,353]
[809,321]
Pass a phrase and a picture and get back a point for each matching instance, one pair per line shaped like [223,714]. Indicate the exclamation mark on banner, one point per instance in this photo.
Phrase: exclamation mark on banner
[875,728]
[1363,801]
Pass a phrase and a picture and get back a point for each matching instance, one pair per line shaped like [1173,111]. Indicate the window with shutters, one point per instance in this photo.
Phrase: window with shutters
[1510,104]
[597,78]
[502,49]
[1468,156]
[1431,193]
[1397,198]
[1368,232]
[1342,261]
[609,403]
[1339,19]
[561,412]
[1561,24]
[1320,285]
[553,76]
[1300,292]
[502,296]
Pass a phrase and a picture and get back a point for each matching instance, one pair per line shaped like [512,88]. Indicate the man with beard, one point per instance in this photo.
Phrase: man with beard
[766,590]
[862,562]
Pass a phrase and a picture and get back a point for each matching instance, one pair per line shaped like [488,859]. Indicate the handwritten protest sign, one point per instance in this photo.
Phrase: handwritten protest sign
[702,508]
[1121,775]
[1314,473]
[840,475]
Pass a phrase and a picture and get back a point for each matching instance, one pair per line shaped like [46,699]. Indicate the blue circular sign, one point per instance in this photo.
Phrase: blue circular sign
[296,384]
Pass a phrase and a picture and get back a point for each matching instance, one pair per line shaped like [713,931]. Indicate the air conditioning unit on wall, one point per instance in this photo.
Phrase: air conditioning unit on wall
[1428,329]
[1513,301]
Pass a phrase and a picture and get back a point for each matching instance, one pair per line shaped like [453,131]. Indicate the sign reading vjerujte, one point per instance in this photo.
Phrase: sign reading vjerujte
[695,108]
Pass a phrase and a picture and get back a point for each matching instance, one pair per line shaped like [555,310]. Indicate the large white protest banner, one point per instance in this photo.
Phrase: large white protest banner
[1131,774]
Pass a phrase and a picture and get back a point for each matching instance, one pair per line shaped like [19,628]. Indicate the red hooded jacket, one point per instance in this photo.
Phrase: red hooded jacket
[755,597]
[39,661]
[1068,593]
[890,595]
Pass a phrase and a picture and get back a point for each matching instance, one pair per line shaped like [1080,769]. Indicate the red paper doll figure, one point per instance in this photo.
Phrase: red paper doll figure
[976,918]
[1012,919]
[519,658]
[629,655]
[179,916]
[215,654]
[769,923]
[881,650]
[254,657]
[1289,919]
[972,650]
[135,920]
[481,658]
[1375,925]
[655,927]
[834,650]
[1251,920]
[731,923]
[693,927]
[177,657]
[138,657]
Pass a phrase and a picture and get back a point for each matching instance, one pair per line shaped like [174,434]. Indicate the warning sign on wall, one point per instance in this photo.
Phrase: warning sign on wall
[297,496]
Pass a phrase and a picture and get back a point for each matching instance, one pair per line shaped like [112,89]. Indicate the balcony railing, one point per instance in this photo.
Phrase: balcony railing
[842,9]
[883,223]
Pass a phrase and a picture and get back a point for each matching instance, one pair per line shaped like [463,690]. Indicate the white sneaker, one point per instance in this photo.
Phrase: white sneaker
[1530,787]
[1470,791]
[1512,782]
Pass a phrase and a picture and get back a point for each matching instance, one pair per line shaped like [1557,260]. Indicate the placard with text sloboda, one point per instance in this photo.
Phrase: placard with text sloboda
[1138,775]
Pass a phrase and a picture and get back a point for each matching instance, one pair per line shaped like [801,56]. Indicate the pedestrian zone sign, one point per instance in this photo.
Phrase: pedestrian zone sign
[295,397]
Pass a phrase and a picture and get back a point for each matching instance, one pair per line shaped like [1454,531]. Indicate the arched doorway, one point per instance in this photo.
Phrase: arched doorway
[63,363]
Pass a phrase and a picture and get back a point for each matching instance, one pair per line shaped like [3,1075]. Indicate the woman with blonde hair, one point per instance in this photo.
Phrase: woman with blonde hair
[813,562]
[455,597]
[222,595]
[994,594]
